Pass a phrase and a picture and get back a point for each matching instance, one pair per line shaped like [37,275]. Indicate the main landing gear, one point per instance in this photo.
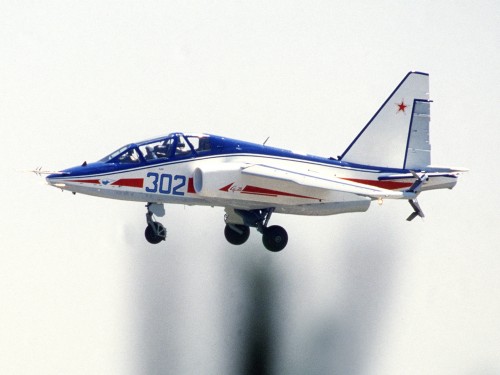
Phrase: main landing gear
[274,237]
[237,230]
[155,231]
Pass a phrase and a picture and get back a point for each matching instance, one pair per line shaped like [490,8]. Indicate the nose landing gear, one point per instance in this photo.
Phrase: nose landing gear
[155,231]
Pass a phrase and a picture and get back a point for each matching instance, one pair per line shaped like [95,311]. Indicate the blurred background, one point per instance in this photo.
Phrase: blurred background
[83,293]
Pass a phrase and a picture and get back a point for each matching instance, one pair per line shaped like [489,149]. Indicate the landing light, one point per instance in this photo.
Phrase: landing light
[60,185]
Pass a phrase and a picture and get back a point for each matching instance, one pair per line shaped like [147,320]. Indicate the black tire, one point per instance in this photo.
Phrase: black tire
[275,238]
[151,236]
[235,238]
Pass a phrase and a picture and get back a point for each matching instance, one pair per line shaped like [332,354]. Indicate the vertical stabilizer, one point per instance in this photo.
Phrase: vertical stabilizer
[397,136]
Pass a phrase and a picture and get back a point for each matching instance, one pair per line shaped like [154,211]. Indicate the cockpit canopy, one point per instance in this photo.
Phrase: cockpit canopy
[173,146]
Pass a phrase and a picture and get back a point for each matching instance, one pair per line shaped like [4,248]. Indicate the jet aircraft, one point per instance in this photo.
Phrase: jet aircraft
[389,159]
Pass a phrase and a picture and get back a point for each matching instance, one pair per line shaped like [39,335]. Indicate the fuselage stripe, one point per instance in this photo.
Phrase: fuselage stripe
[130,182]
[86,181]
[190,188]
[269,192]
[389,185]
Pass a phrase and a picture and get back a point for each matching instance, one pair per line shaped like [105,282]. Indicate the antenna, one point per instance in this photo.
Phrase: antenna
[266,141]
[40,172]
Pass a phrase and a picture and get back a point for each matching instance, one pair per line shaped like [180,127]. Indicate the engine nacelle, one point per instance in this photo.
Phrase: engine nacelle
[209,180]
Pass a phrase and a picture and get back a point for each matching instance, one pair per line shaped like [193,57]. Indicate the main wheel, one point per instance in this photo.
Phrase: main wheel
[155,233]
[274,238]
[236,234]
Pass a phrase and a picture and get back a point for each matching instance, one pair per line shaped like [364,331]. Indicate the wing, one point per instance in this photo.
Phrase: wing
[311,179]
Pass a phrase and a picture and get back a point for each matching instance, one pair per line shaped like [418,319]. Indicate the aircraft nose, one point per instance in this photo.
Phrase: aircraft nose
[54,179]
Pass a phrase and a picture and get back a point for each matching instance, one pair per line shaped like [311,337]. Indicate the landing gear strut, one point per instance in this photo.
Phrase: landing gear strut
[155,231]
[274,237]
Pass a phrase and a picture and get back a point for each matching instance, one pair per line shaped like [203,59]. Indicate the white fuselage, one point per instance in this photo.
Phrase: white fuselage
[222,184]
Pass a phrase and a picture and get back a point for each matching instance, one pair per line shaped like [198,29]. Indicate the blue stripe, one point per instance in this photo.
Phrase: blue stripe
[221,148]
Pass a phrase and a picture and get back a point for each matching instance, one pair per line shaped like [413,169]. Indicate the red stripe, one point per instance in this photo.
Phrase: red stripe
[390,185]
[226,188]
[130,182]
[268,192]
[191,186]
[86,181]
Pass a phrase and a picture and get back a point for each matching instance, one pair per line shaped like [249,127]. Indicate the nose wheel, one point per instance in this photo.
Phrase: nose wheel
[155,231]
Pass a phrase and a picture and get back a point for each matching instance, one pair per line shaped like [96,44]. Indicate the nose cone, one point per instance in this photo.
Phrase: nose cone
[67,178]
[56,179]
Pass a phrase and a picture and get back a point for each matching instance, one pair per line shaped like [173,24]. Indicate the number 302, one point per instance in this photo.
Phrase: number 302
[166,183]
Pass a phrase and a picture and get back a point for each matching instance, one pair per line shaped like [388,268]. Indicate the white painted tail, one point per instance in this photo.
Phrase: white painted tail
[397,136]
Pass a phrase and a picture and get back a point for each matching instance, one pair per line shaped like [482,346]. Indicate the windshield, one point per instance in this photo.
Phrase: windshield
[114,154]
[158,149]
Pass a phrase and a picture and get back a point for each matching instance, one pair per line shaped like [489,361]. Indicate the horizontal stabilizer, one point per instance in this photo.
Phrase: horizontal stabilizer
[417,210]
[419,181]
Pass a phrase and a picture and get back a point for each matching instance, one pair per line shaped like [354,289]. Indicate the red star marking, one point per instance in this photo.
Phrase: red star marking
[401,106]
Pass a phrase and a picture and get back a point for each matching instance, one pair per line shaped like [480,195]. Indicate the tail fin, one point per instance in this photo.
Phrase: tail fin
[397,136]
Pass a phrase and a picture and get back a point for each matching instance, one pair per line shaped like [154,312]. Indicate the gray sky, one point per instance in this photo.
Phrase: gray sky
[83,293]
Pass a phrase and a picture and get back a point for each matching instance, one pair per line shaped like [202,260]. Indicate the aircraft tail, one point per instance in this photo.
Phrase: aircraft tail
[397,136]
